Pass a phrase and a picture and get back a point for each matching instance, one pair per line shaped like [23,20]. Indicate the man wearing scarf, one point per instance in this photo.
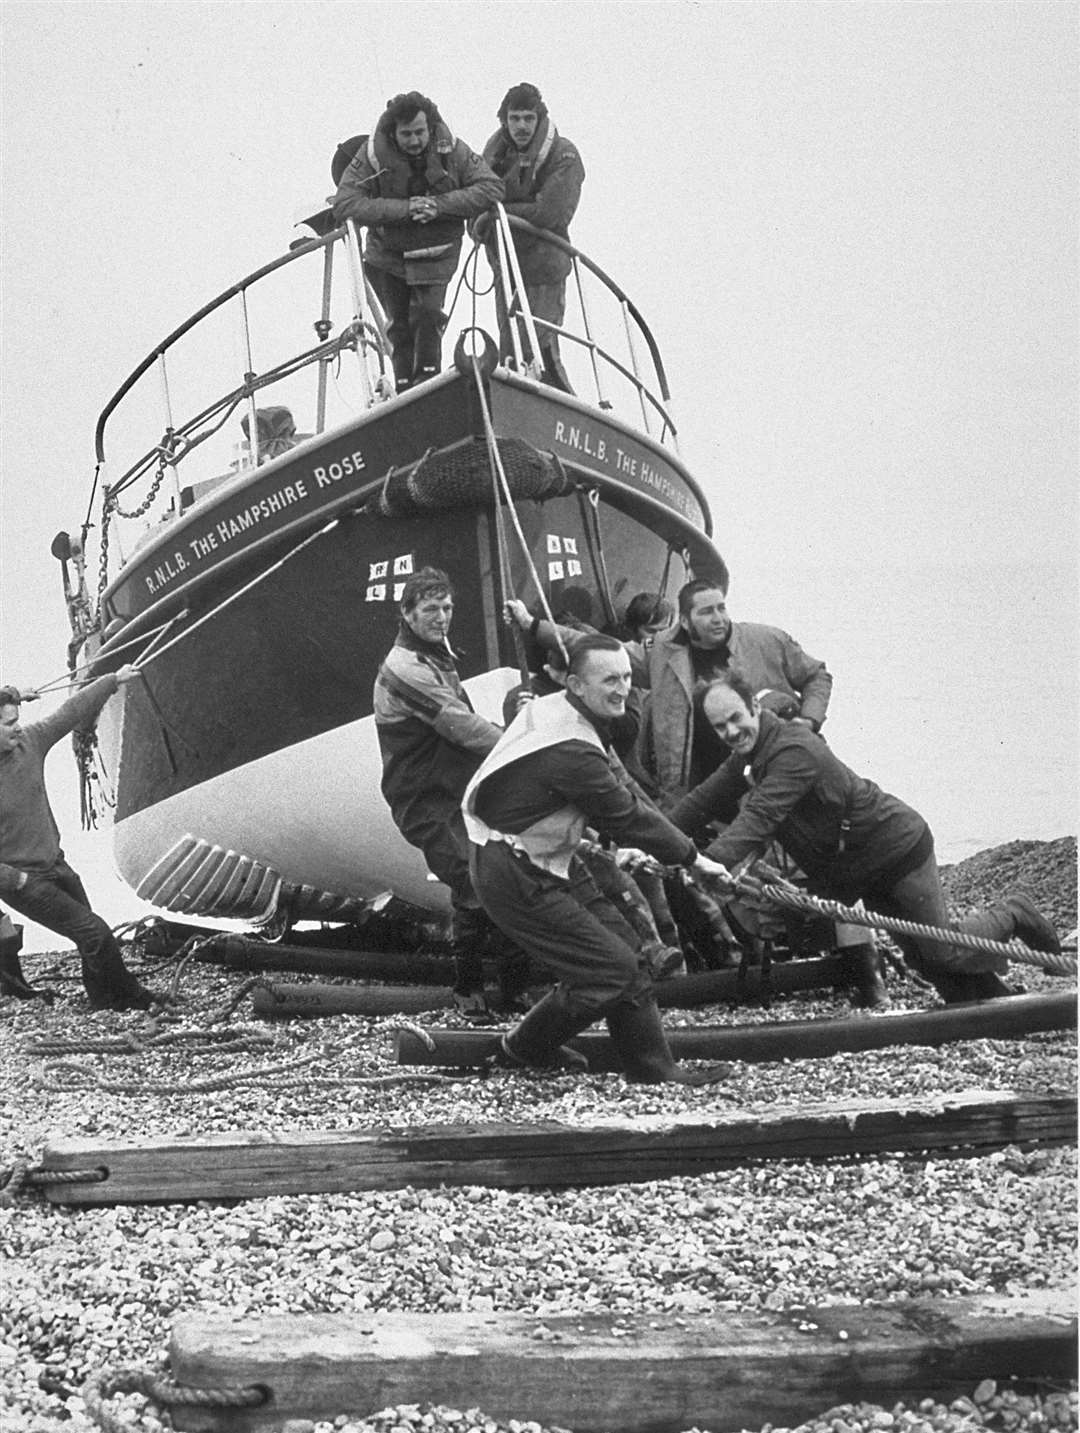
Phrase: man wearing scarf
[543,174]
[414,185]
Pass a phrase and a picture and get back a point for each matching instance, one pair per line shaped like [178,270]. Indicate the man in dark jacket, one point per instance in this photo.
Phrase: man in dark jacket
[526,809]
[853,840]
[543,174]
[414,185]
[679,748]
[35,880]
[432,742]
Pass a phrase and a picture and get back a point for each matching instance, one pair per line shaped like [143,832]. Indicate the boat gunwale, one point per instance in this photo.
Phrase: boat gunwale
[176,600]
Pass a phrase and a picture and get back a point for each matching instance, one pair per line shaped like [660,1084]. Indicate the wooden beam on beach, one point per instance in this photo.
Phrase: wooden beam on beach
[239,953]
[239,1165]
[789,1039]
[317,1000]
[639,1373]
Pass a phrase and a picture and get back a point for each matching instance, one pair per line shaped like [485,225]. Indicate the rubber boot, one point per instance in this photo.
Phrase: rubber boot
[962,986]
[637,1033]
[536,1043]
[427,344]
[12,980]
[470,929]
[1030,925]
[862,969]
[403,361]
[108,982]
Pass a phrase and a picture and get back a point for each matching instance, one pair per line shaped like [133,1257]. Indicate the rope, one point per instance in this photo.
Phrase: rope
[497,464]
[109,1382]
[198,1041]
[850,915]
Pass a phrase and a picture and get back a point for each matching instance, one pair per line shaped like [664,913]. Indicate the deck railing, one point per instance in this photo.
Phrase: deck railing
[155,478]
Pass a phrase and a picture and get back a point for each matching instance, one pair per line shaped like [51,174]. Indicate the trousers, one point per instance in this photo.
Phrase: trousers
[415,324]
[57,900]
[569,928]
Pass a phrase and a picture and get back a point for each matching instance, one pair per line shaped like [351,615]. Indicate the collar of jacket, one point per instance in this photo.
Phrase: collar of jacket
[519,165]
[383,154]
[441,653]
[599,725]
[771,726]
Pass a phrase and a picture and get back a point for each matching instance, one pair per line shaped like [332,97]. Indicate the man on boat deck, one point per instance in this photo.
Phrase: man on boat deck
[35,880]
[543,174]
[432,742]
[414,185]
[548,778]
[679,747]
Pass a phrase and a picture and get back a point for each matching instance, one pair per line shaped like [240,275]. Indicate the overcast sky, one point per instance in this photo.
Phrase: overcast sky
[852,227]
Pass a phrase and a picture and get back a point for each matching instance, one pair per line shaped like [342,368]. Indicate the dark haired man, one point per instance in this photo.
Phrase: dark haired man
[414,185]
[543,174]
[679,747]
[35,880]
[432,742]
[526,808]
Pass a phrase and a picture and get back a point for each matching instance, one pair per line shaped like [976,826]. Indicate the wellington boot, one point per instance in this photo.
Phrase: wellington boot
[130,994]
[1031,926]
[536,1043]
[12,980]
[637,1033]
[861,968]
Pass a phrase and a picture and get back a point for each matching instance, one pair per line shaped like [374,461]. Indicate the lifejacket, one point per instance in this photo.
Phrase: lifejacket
[393,183]
[551,842]
[518,168]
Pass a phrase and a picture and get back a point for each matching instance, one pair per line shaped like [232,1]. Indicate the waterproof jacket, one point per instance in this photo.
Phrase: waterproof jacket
[849,836]
[770,659]
[376,188]
[543,186]
[430,738]
[29,837]
[564,778]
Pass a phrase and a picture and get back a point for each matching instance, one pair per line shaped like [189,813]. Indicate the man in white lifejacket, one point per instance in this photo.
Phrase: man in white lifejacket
[414,185]
[526,808]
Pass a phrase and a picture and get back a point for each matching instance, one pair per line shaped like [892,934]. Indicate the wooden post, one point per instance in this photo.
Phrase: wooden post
[636,1373]
[238,1165]
[789,1040]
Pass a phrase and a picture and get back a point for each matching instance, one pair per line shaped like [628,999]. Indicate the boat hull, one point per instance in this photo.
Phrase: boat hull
[252,730]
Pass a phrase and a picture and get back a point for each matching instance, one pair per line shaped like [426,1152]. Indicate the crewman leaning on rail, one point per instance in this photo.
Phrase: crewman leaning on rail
[854,841]
[543,174]
[35,880]
[526,809]
[413,184]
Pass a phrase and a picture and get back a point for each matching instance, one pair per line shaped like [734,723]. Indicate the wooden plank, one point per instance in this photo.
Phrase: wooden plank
[317,1000]
[789,1039]
[231,1165]
[314,1000]
[238,953]
[638,1373]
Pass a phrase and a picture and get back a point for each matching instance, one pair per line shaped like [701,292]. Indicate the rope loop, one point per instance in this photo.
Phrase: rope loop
[108,1382]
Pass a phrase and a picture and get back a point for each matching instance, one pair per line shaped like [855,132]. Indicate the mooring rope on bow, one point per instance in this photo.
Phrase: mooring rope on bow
[497,465]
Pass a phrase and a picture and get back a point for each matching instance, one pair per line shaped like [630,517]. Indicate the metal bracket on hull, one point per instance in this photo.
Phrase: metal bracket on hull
[197,878]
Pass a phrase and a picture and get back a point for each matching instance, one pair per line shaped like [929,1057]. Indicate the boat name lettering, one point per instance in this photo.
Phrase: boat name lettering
[580,438]
[628,465]
[334,472]
[225,531]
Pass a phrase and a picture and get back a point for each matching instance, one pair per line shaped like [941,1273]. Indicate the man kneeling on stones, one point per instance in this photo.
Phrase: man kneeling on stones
[548,777]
